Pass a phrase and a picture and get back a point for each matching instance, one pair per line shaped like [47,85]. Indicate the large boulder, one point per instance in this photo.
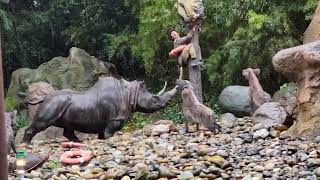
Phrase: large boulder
[78,71]
[235,99]
[287,97]
[270,114]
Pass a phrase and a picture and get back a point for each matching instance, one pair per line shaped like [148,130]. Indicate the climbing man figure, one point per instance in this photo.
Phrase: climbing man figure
[183,48]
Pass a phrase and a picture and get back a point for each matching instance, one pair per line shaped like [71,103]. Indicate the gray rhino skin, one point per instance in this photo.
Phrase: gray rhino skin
[102,109]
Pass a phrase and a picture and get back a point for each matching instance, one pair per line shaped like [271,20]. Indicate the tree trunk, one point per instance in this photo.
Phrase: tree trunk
[195,71]
[3,141]
[312,32]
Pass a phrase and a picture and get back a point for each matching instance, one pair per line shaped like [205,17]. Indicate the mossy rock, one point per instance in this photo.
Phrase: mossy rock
[78,71]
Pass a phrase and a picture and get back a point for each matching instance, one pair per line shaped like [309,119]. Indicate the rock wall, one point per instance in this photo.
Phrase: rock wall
[78,71]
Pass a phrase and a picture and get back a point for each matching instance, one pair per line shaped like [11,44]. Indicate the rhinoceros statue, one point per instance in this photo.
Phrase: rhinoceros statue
[102,109]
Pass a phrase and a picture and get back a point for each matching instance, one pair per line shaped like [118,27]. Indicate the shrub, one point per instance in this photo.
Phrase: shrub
[136,121]
[21,121]
[10,104]
[172,112]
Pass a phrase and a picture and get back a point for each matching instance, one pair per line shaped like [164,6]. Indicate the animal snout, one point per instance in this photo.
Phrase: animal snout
[215,128]
[177,81]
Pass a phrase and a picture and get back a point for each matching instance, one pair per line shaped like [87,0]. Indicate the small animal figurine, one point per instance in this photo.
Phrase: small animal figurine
[256,93]
[9,118]
[195,111]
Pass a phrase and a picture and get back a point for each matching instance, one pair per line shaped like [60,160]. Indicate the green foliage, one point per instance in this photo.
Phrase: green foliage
[41,30]
[151,42]
[236,34]
[172,112]
[10,104]
[21,121]
[252,31]
[212,102]
[136,121]
[5,21]
[53,165]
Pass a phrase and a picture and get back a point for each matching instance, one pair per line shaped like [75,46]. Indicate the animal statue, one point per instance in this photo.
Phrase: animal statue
[102,109]
[257,95]
[9,118]
[190,10]
[196,112]
[36,93]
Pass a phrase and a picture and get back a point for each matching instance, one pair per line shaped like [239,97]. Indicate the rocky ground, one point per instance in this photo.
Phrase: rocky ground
[242,152]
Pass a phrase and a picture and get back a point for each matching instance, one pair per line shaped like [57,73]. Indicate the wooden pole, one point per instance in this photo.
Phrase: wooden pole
[195,71]
[3,135]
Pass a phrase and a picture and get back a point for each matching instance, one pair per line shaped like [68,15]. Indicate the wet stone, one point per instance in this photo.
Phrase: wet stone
[172,155]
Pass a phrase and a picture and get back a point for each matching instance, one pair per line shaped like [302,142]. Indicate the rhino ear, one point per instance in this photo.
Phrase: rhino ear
[142,83]
[245,73]
[256,71]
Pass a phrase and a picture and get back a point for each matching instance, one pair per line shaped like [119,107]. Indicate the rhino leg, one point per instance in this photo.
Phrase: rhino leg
[32,130]
[114,125]
[105,134]
[69,134]
[186,126]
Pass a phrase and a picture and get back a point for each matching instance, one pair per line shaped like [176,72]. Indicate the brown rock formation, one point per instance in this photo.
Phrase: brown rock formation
[303,63]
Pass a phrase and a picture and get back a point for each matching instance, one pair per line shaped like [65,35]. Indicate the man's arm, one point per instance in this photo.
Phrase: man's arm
[185,40]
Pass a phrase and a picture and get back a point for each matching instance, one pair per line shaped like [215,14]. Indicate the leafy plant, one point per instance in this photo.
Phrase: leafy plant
[136,121]
[10,104]
[53,165]
[21,121]
[172,112]
[213,104]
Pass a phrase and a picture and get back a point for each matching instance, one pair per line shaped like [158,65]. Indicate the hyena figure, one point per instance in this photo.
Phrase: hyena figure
[195,111]
[9,118]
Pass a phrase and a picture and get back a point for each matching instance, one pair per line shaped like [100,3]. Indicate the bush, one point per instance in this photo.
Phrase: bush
[53,165]
[172,112]
[212,102]
[136,121]
[10,104]
[21,121]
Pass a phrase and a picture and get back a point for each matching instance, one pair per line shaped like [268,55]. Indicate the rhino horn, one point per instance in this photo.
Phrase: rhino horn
[163,89]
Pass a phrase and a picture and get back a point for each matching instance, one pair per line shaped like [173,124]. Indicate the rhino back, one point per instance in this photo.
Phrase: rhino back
[92,111]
